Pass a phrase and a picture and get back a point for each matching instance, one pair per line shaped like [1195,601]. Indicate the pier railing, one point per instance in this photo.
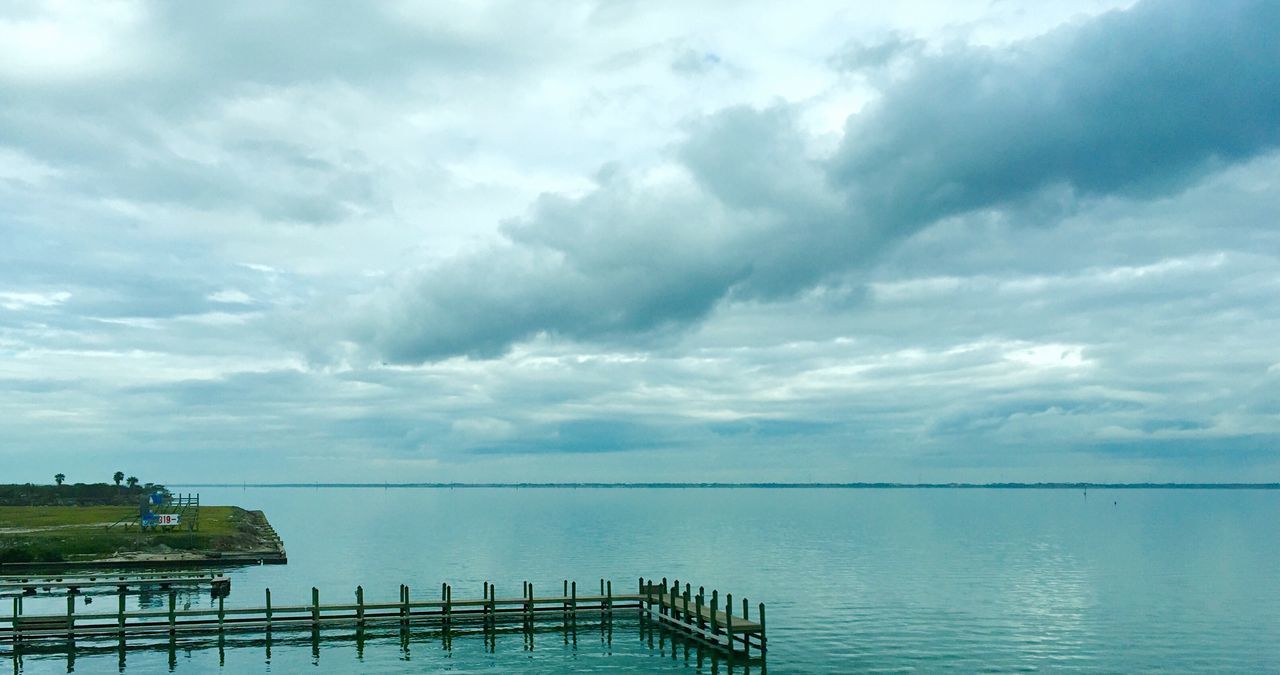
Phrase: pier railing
[701,619]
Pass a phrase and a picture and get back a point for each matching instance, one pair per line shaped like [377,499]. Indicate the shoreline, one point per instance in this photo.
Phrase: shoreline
[770,486]
[259,545]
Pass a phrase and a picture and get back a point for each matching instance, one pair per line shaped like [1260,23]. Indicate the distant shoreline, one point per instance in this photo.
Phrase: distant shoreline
[825,486]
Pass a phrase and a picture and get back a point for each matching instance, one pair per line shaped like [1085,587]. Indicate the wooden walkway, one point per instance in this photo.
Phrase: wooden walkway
[703,621]
[702,617]
[31,585]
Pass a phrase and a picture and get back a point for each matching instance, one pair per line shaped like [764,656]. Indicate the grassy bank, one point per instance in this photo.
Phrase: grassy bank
[69,533]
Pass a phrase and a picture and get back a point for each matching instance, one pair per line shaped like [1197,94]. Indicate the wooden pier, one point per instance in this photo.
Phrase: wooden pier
[701,616]
[31,585]
[698,616]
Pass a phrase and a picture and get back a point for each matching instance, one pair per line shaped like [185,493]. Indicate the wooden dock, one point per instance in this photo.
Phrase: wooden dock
[697,616]
[701,616]
[31,585]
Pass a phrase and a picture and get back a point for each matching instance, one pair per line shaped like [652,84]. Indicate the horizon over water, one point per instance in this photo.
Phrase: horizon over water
[854,579]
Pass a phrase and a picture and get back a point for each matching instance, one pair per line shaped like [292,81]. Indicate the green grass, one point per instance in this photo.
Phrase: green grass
[58,533]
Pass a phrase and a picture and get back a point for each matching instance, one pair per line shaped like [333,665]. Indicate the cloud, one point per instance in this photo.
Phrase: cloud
[1140,102]
[859,55]
[1049,257]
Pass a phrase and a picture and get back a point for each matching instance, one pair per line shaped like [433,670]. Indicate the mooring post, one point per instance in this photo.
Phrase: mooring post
[484,608]
[268,592]
[120,617]
[564,597]
[448,603]
[728,620]
[662,599]
[762,630]
[17,609]
[315,606]
[702,600]
[715,607]
[686,602]
[360,604]
[573,598]
[173,611]
[71,613]
[608,594]
[407,609]
[671,601]
[221,612]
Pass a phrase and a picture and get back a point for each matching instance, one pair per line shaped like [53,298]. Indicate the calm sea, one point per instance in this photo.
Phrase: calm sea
[854,580]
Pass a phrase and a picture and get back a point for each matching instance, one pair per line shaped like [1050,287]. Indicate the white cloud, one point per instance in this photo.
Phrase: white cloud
[15,300]
[192,197]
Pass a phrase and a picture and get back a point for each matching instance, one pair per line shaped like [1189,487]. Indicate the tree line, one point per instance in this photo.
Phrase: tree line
[132,481]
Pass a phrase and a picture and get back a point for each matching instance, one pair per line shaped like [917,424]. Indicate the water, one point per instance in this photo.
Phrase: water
[854,580]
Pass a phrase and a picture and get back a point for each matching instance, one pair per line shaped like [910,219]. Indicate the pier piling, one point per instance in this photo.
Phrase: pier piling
[675,608]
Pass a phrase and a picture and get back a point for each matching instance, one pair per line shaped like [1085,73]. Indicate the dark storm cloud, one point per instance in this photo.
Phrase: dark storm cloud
[1134,103]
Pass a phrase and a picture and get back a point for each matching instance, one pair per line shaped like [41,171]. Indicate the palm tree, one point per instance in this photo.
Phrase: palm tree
[132,481]
[117,477]
[59,477]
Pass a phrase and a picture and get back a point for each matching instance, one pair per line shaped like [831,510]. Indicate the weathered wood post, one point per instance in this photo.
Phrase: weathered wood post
[448,603]
[715,607]
[221,612]
[671,600]
[360,604]
[268,593]
[408,609]
[573,598]
[608,594]
[564,597]
[120,616]
[315,606]
[685,597]
[173,607]
[697,602]
[702,600]
[762,629]
[728,620]
[662,604]
[71,613]
[484,607]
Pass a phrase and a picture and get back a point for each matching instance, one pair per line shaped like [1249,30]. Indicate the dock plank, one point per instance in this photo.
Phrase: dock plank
[739,624]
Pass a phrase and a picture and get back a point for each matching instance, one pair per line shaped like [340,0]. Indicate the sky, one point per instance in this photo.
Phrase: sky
[640,241]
